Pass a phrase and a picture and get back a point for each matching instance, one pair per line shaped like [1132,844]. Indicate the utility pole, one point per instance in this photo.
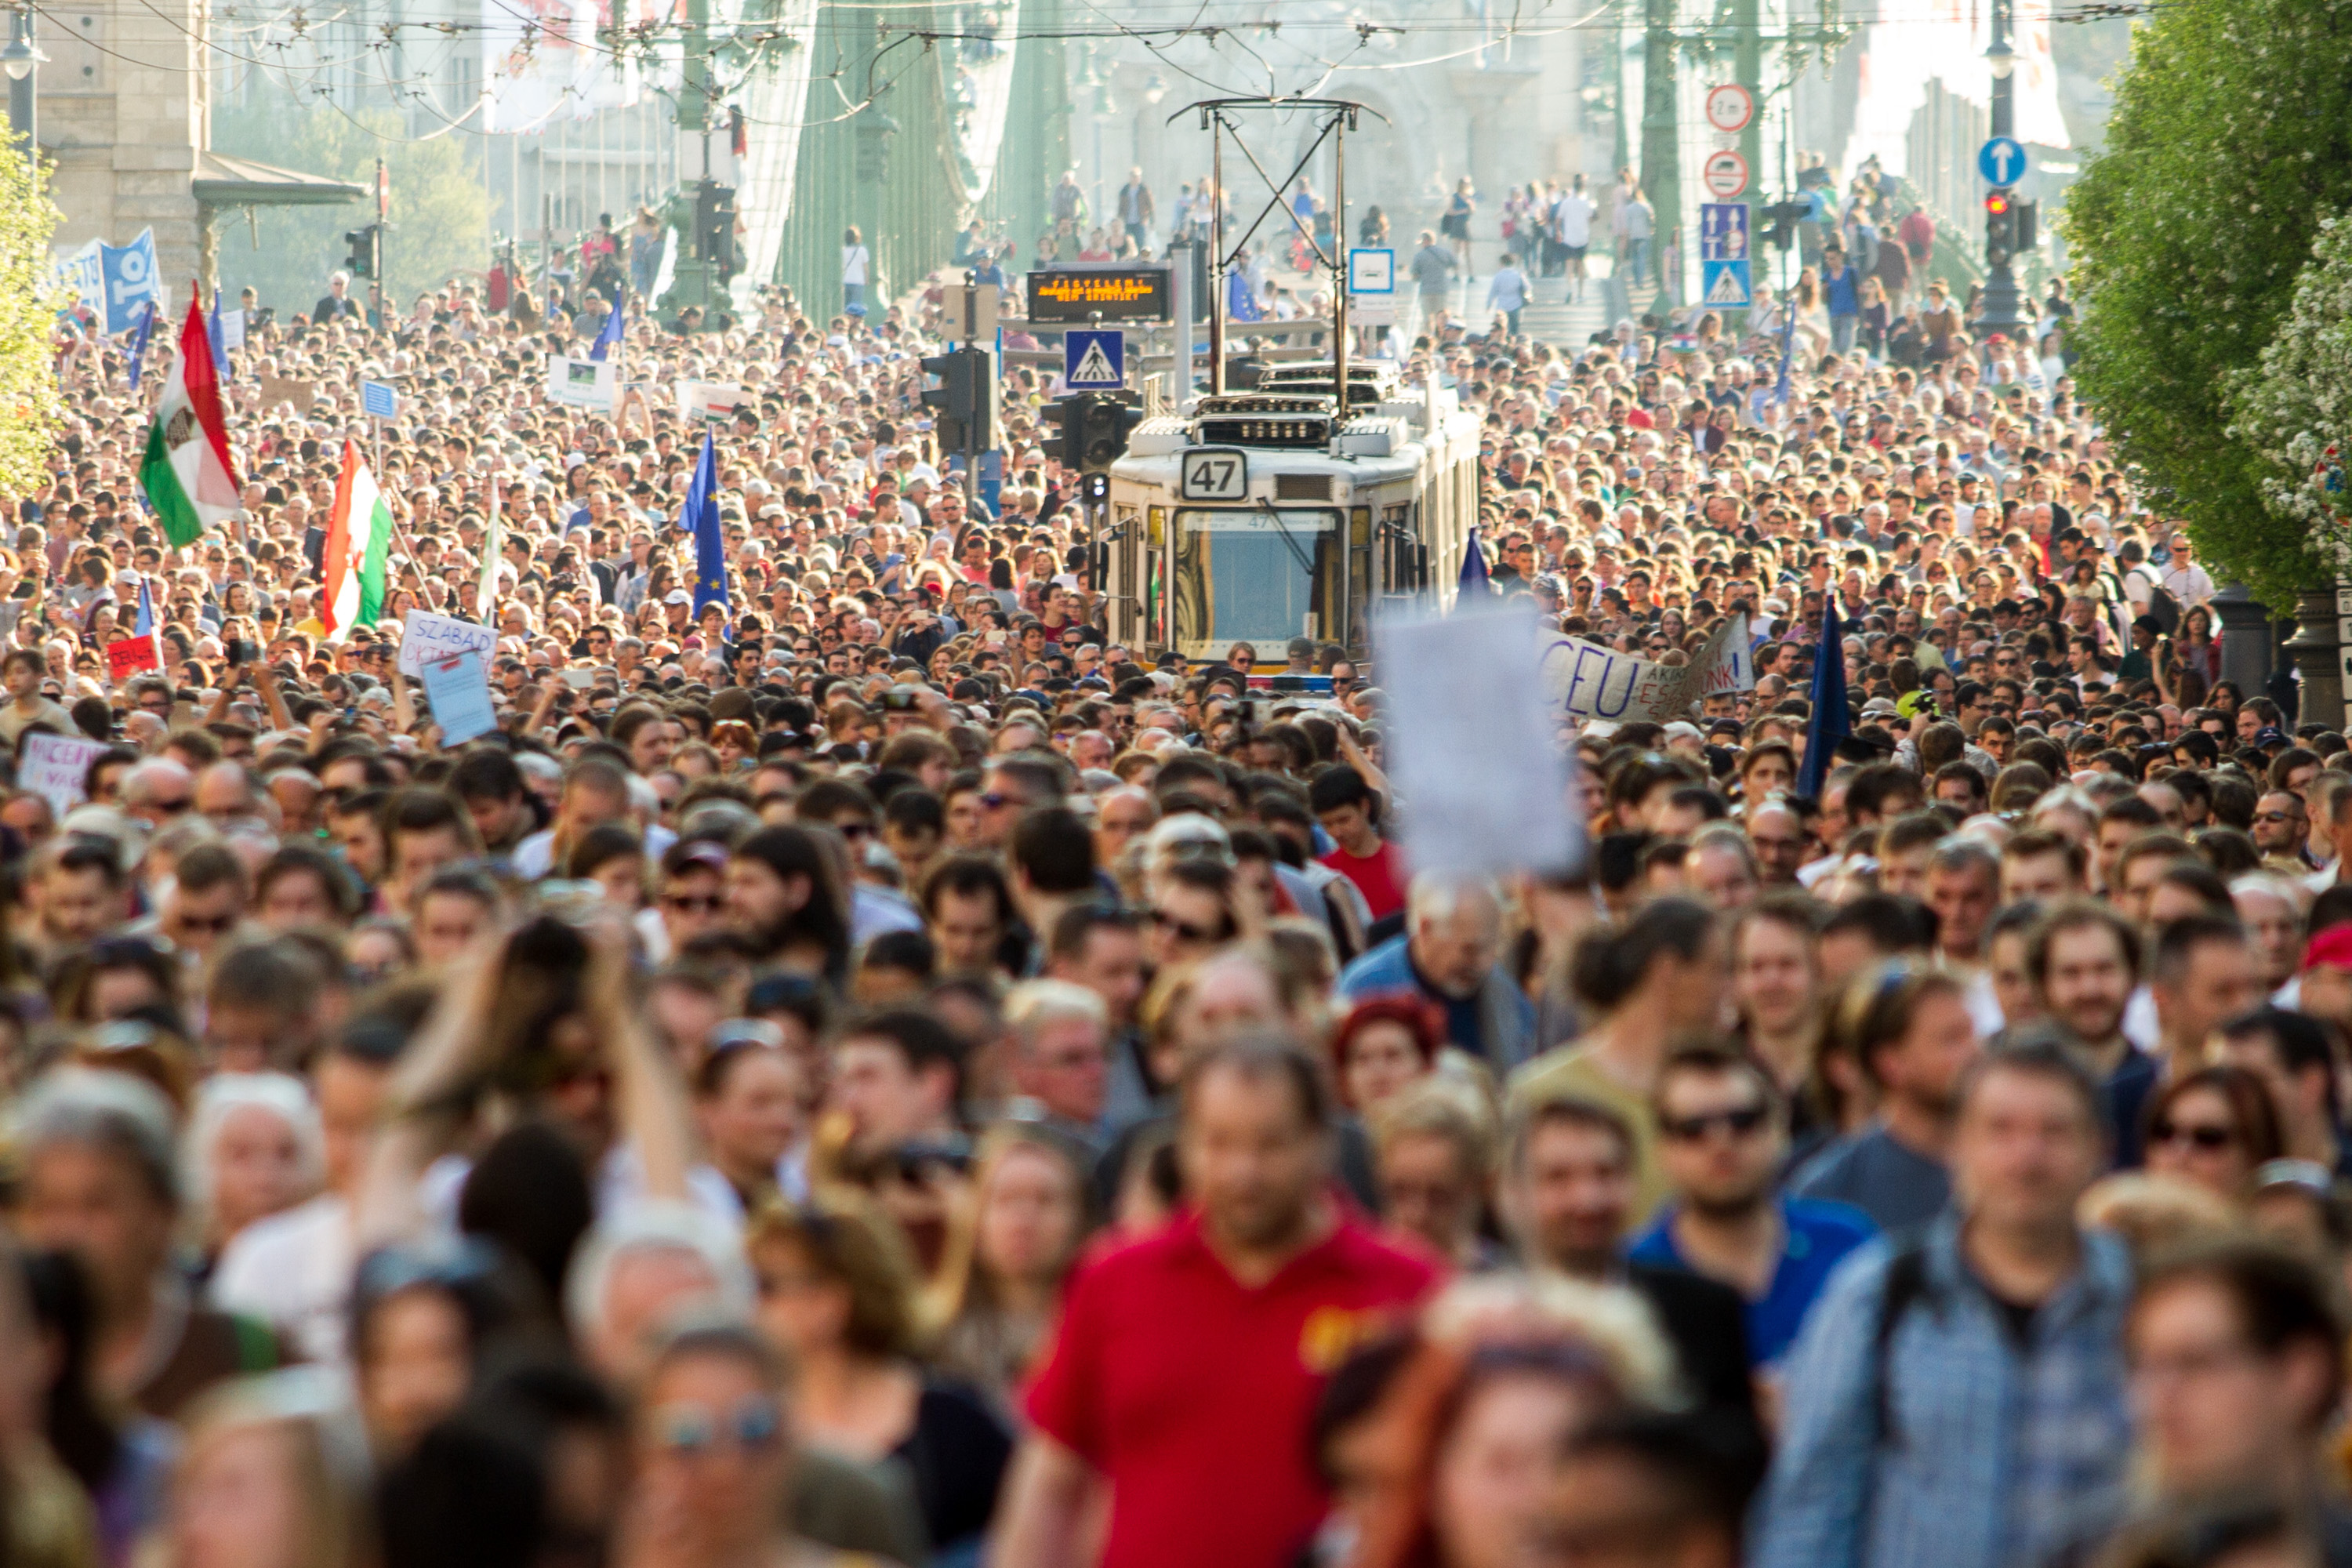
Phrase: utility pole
[1661,153]
[22,58]
[1747,70]
[2001,282]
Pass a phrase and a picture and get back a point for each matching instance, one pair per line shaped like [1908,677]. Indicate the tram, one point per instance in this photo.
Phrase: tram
[1264,515]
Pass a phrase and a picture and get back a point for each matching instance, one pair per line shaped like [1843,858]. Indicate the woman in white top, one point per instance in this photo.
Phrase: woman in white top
[855,262]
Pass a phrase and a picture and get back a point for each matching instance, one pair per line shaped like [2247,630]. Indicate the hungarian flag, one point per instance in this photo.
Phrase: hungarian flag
[186,471]
[359,543]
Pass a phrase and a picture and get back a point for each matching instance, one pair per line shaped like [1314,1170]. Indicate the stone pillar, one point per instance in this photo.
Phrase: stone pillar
[2318,654]
[2247,637]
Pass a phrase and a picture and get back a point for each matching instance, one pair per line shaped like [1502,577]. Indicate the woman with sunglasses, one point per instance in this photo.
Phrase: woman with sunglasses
[713,1460]
[2213,1128]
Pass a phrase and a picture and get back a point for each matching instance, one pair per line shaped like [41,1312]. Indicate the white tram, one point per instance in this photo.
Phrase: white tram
[1254,519]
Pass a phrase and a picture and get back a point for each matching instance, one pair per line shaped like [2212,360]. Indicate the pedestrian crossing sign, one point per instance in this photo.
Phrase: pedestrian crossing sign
[1094,360]
[1726,283]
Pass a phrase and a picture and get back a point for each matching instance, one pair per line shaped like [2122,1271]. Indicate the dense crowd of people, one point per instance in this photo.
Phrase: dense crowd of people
[861,1065]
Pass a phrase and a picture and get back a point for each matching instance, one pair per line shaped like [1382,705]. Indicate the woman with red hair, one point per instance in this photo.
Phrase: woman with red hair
[1384,1045]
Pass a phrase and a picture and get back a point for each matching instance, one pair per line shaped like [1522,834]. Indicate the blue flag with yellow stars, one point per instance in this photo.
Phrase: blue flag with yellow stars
[700,513]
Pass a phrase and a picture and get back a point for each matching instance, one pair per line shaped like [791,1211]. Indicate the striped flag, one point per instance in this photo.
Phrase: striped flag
[358,548]
[486,598]
[186,471]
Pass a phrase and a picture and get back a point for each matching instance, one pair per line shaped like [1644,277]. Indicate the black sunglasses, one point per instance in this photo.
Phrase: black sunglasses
[1741,1121]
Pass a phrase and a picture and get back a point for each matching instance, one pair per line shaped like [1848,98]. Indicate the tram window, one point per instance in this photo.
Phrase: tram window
[1261,575]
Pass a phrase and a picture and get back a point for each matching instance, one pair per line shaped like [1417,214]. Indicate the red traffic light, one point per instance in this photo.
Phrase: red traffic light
[1996,203]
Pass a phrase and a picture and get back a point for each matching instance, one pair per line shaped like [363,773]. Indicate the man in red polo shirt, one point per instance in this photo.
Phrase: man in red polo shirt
[1187,1366]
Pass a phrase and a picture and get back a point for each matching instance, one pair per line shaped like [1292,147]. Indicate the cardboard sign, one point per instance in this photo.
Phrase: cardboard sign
[53,766]
[427,638]
[1590,682]
[1485,787]
[277,389]
[459,690]
[128,656]
[701,400]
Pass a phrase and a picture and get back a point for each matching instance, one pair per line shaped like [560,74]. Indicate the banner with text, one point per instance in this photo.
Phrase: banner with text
[131,279]
[54,766]
[1589,681]
[427,638]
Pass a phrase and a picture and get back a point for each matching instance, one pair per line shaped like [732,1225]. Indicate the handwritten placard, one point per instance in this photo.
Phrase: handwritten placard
[1590,682]
[128,655]
[427,638]
[53,767]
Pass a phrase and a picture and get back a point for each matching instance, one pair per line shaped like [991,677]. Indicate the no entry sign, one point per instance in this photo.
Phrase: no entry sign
[1725,175]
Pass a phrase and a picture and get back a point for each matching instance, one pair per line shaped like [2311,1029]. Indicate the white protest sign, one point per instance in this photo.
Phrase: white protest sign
[583,383]
[1483,785]
[1589,681]
[459,690]
[427,638]
[708,399]
[53,766]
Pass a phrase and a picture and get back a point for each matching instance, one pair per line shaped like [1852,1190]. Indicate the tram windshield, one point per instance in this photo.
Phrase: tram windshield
[1263,574]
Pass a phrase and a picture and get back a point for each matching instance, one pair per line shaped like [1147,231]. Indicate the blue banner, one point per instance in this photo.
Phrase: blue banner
[128,273]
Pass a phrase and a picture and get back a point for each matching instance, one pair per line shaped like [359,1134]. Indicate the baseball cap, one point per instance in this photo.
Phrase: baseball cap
[2331,947]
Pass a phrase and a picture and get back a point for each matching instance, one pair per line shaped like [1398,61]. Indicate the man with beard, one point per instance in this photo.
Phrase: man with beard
[1722,1137]
[1567,1193]
[784,895]
[1189,1365]
[2084,958]
[1909,1031]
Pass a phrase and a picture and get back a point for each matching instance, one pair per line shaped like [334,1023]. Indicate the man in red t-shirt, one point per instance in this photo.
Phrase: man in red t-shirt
[1187,1366]
[1349,810]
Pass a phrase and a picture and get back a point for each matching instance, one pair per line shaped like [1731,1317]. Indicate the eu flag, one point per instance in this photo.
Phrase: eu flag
[700,513]
[218,338]
[139,344]
[1475,587]
[608,337]
[145,628]
[1831,722]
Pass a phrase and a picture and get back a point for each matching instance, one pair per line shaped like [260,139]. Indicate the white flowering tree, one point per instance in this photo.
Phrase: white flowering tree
[2294,409]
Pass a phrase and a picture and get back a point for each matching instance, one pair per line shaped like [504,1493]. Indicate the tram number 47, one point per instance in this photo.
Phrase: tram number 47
[1213,475]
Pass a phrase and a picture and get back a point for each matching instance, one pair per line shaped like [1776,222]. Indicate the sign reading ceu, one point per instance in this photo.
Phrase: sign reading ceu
[1140,294]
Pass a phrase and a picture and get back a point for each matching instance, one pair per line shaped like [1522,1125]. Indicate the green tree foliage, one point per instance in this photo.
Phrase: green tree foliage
[29,302]
[2228,145]
[440,209]
[2294,408]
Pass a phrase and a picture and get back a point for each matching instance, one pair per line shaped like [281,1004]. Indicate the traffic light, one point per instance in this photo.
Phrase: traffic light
[2001,226]
[714,225]
[2029,224]
[1781,219]
[964,399]
[1094,427]
[361,263]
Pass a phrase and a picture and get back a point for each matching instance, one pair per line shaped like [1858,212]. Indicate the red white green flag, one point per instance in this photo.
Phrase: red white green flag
[186,471]
[358,549]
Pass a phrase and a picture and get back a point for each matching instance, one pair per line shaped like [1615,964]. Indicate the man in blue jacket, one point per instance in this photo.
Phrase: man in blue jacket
[1449,953]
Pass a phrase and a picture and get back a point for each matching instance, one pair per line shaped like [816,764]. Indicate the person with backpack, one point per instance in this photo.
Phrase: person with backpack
[1958,1397]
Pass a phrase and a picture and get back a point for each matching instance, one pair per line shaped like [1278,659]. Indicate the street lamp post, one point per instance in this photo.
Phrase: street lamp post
[18,59]
[2001,282]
